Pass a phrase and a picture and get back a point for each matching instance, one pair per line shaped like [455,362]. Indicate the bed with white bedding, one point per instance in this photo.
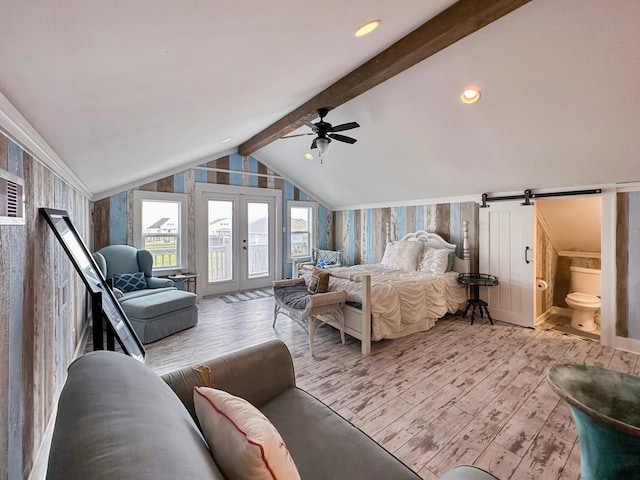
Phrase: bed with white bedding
[407,292]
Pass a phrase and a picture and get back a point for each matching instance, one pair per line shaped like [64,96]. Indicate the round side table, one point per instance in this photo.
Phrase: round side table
[476,280]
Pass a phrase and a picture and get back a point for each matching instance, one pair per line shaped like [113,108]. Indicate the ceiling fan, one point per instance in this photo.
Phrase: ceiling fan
[324,132]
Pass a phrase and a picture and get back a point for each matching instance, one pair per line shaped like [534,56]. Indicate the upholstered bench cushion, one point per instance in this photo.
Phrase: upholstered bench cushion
[150,306]
[293,296]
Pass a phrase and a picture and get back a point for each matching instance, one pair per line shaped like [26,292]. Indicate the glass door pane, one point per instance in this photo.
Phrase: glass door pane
[258,239]
[220,240]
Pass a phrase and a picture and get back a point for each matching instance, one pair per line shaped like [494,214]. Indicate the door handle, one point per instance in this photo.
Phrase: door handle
[526,254]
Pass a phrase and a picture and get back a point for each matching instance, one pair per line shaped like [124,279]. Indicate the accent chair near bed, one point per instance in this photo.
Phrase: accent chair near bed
[155,308]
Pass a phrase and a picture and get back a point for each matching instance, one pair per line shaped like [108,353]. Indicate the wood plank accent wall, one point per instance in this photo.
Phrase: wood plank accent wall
[622,265]
[362,234]
[546,264]
[107,225]
[45,303]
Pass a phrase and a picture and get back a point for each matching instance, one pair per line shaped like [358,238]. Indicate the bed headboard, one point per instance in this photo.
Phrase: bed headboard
[433,240]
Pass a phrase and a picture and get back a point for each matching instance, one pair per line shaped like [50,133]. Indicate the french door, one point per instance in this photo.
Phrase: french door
[237,247]
[506,251]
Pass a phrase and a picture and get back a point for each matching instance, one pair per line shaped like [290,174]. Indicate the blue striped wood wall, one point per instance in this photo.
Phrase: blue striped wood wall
[362,234]
[114,223]
[43,301]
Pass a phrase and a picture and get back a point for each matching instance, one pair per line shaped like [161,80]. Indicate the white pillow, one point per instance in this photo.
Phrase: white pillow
[387,253]
[434,260]
[406,255]
[242,441]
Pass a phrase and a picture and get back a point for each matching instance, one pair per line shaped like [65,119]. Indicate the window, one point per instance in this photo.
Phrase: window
[160,227]
[301,217]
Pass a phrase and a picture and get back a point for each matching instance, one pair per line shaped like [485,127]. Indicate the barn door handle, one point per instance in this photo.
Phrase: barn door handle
[526,254]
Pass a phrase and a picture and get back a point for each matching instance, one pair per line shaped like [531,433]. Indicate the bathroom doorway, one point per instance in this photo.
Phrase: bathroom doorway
[568,232]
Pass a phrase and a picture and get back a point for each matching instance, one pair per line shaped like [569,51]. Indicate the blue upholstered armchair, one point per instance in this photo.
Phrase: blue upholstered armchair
[116,260]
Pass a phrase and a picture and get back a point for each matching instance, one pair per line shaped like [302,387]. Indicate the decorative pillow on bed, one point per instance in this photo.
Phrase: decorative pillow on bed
[129,282]
[387,253]
[323,264]
[318,281]
[242,441]
[452,256]
[434,260]
[406,255]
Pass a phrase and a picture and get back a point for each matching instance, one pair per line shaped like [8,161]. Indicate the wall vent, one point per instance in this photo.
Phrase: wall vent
[11,199]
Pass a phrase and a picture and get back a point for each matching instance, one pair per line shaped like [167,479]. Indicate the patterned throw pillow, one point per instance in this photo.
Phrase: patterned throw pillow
[242,441]
[330,256]
[129,282]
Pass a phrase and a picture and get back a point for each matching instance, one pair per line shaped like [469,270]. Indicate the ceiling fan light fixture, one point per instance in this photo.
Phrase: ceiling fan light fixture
[470,95]
[322,144]
[367,28]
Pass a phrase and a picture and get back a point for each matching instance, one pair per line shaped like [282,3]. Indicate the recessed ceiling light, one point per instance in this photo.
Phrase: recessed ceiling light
[308,156]
[367,28]
[226,140]
[470,95]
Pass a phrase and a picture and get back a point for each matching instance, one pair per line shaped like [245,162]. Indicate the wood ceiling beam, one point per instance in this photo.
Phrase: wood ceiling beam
[456,22]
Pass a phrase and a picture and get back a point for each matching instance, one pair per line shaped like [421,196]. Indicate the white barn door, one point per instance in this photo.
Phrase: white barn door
[506,251]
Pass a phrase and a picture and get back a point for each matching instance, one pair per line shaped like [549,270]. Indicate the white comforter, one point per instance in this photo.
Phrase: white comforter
[402,302]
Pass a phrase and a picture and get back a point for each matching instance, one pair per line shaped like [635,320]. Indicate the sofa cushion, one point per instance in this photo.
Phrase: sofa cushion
[324,445]
[244,444]
[129,282]
[150,306]
[117,419]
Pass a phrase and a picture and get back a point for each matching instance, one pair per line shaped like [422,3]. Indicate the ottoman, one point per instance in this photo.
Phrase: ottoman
[161,314]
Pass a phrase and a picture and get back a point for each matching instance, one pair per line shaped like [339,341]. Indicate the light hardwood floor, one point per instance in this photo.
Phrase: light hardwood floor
[459,393]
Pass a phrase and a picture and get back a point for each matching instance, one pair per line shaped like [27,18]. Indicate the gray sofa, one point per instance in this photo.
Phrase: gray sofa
[118,419]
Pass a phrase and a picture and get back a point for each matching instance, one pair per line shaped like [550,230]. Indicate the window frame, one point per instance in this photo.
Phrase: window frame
[313,206]
[139,197]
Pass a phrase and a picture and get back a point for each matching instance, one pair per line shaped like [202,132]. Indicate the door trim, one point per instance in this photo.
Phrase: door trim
[202,189]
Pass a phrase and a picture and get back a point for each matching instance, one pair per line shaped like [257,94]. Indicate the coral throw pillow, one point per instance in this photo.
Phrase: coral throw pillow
[242,441]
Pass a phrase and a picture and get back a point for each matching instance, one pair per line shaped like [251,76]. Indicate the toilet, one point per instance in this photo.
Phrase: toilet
[584,298]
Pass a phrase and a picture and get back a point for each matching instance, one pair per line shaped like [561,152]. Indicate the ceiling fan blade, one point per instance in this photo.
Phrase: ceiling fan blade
[344,126]
[313,126]
[299,135]
[342,138]
[313,144]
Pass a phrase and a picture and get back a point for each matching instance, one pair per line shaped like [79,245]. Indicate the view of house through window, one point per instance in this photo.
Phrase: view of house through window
[161,232]
[301,228]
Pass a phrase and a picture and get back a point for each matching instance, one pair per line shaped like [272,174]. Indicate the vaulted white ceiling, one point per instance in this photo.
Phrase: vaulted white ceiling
[125,92]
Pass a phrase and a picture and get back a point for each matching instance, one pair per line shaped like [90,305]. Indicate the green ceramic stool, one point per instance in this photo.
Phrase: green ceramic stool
[606,408]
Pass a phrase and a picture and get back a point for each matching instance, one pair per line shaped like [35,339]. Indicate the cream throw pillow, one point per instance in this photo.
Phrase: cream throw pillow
[387,253]
[242,441]
[434,260]
[406,255]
